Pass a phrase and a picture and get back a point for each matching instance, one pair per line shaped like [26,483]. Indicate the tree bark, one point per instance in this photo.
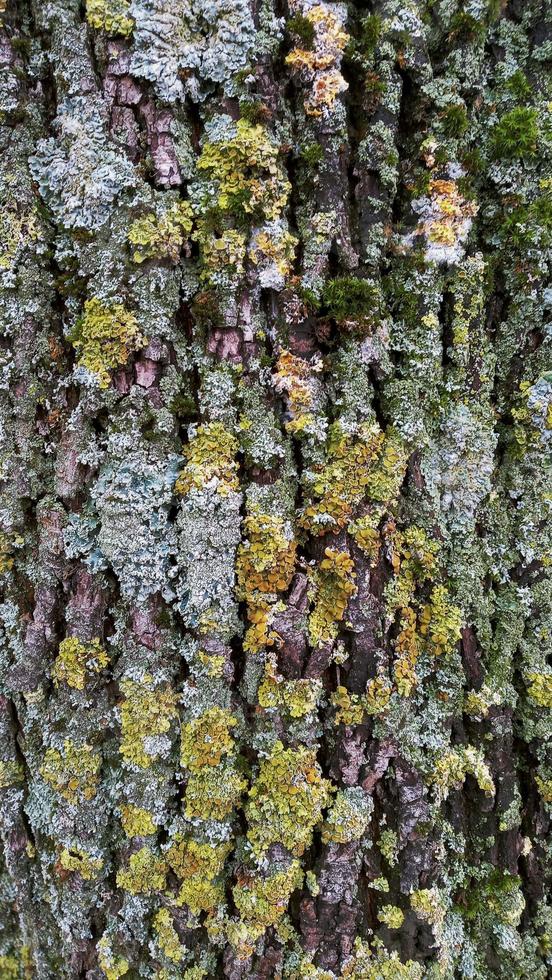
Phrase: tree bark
[276,416]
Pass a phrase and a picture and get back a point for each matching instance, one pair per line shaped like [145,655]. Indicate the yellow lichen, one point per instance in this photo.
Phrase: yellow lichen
[6,560]
[391,916]
[408,649]
[296,378]
[74,772]
[11,773]
[286,800]
[206,739]
[246,171]
[332,587]
[147,711]
[110,15]
[136,822]
[167,936]
[452,768]
[441,622]
[199,867]
[213,791]
[539,689]
[348,817]
[318,67]
[266,557]
[221,249]
[297,697]
[112,966]
[427,903]
[75,660]
[145,874]
[372,465]
[210,457]
[105,337]
[78,860]
[262,901]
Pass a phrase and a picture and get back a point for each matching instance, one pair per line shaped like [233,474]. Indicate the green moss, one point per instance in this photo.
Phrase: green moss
[303,28]
[104,338]
[348,298]
[455,121]
[369,35]
[311,154]
[518,85]
[515,136]
[466,27]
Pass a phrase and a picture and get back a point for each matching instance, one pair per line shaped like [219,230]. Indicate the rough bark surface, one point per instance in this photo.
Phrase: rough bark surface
[276,418]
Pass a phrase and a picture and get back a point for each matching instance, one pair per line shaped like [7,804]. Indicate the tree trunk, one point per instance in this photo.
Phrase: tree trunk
[276,418]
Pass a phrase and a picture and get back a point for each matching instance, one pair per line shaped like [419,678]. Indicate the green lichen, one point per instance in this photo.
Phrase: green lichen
[348,817]
[161,237]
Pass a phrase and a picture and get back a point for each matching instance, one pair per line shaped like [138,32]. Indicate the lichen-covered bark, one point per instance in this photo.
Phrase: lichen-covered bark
[276,416]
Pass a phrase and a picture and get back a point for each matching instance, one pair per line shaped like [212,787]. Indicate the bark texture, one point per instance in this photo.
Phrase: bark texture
[276,419]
